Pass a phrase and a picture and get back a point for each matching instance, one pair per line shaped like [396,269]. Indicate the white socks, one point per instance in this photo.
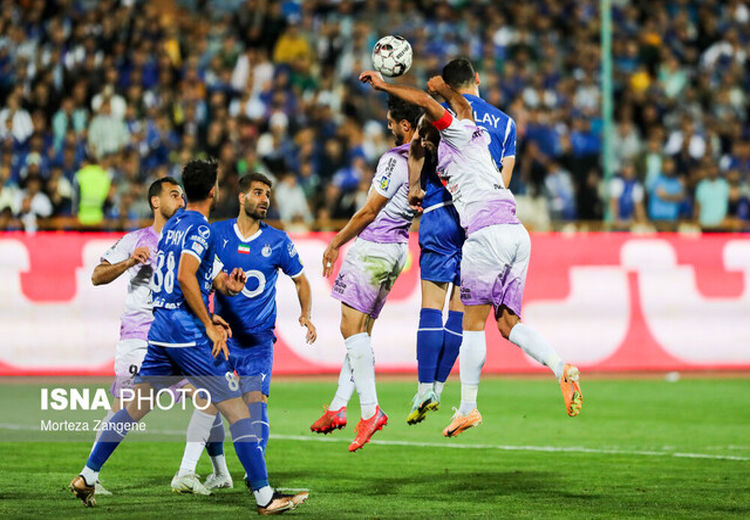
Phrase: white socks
[424,388]
[198,431]
[89,475]
[472,354]
[346,386]
[439,385]
[219,462]
[362,362]
[537,347]
[263,496]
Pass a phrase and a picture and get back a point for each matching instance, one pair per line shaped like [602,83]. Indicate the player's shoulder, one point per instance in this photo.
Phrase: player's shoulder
[271,233]
[398,153]
[222,227]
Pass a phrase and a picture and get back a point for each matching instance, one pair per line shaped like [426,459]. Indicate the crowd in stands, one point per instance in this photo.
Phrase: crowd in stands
[99,98]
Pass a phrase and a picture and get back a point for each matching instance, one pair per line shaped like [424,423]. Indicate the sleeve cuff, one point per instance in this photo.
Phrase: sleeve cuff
[301,272]
[444,122]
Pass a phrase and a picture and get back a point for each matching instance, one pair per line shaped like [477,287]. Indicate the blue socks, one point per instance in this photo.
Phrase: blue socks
[116,429]
[451,345]
[259,418]
[215,442]
[249,451]
[429,343]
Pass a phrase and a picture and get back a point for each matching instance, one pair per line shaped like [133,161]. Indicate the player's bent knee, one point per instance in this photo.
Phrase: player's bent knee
[506,320]
[233,409]
[255,396]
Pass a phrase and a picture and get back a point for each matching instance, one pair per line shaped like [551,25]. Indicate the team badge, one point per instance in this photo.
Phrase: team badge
[266,251]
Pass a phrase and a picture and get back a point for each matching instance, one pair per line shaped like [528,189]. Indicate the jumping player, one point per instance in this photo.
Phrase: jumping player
[368,273]
[260,250]
[133,254]
[184,341]
[441,238]
[496,251]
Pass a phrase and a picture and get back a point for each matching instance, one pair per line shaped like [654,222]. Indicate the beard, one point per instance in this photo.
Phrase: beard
[399,139]
[254,212]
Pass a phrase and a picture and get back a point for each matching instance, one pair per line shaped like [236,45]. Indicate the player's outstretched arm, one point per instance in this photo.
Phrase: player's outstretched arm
[458,103]
[432,108]
[105,272]
[186,277]
[359,221]
[304,295]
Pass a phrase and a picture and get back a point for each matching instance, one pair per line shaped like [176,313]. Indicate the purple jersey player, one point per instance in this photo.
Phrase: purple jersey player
[495,255]
[368,273]
[133,254]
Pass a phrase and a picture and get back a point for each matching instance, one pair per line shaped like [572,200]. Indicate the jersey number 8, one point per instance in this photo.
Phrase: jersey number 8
[162,278]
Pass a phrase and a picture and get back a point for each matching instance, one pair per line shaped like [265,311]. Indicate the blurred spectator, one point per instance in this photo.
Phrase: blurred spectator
[15,121]
[107,133]
[34,204]
[92,189]
[626,198]
[558,187]
[290,200]
[665,194]
[711,198]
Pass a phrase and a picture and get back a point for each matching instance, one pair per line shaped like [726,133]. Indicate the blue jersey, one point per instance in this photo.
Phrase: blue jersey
[186,233]
[502,130]
[260,256]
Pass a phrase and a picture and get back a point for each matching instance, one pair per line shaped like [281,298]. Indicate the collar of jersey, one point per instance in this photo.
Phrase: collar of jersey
[192,211]
[251,237]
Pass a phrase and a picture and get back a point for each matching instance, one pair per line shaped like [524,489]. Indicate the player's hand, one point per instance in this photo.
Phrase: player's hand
[416,196]
[373,78]
[436,84]
[221,322]
[312,333]
[218,337]
[329,258]
[140,256]
[236,281]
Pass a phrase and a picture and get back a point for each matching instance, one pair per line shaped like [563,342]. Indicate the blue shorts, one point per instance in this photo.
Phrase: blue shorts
[162,364]
[441,238]
[251,355]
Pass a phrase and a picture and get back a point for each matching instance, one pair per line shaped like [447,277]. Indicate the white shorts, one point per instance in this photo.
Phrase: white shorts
[494,263]
[128,359]
[368,273]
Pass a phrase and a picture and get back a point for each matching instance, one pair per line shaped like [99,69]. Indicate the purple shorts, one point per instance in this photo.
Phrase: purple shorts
[368,274]
[494,263]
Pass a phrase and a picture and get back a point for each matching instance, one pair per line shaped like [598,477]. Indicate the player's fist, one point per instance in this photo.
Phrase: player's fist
[140,256]
[329,258]
[373,78]
[416,196]
[436,84]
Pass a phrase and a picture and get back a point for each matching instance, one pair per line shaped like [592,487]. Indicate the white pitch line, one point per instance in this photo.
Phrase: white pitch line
[453,445]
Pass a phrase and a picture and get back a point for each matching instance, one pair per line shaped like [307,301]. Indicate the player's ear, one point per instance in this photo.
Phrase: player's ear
[476,78]
[155,203]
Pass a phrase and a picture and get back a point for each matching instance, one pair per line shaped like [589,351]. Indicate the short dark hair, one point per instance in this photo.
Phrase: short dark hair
[158,186]
[247,180]
[459,72]
[198,177]
[401,110]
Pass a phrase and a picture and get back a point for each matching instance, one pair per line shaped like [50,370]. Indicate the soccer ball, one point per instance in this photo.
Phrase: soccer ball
[391,56]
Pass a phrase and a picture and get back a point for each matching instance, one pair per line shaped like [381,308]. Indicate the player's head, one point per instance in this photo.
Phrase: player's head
[255,195]
[165,197]
[459,74]
[199,181]
[402,119]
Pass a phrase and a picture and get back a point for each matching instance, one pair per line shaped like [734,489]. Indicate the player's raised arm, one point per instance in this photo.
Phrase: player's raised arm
[359,221]
[432,108]
[458,103]
[109,269]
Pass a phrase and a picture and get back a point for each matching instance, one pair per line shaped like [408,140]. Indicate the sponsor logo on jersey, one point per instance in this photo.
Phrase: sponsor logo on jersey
[384,183]
[292,250]
[204,231]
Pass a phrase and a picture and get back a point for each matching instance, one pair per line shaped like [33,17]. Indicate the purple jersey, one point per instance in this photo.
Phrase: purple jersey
[137,316]
[391,181]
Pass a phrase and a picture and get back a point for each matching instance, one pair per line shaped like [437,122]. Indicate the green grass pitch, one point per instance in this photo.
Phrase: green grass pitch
[641,448]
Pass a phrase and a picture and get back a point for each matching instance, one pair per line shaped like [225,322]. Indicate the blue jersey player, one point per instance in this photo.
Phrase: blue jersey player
[441,238]
[260,251]
[184,341]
